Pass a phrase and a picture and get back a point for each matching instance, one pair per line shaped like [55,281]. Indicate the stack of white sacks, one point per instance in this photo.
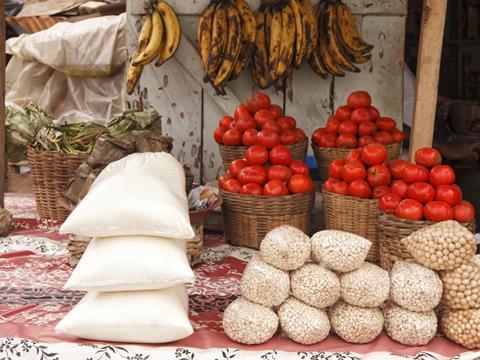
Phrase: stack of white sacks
[135,267]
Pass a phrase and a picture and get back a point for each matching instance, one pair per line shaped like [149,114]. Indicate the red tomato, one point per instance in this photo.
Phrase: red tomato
[374,112]
[386,124]
[421,191]
[361,115]
[354,155]
[328,185]
[251,104]
[241,112]
[379,175]
[389,202]
[276,111]
[353,170]
[262,100]
[365,140]
[300,184]
[275,188]
[346,141]
[272,125]
[400,188]
[232,186]
[396,168]
[280,155]
[221,180]
[328,141]
[236,166]
[398,136]
[343,113]
[464,212]
[415,173]
[367,128]
[409,209]
[218,135]
[246,123]
[340,187]
[438,211]
[428,157]
[256,155]
[262,117]
[249,137]
[232,137]
[360,188]
[384,137]
[317,135]
[225,121]
[251,189]
[451,194]
[381,190]
[300,134]
[279,172]
[441,175]
[284,123]
[253,174]
[233,125]
[299,168]
[332,125]
[268,139]
[359,99]
[347,127]
[335,169]
[374,154]
[287,137]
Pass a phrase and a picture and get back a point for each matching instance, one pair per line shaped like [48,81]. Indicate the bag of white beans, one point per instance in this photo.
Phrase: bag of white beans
[462,327]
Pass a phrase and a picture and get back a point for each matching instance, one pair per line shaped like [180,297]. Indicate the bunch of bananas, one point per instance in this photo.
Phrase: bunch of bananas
[159,37]
[226,40]
[340,45]
[286,36]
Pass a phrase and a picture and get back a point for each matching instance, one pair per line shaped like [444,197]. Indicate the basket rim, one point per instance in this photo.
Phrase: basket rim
[395,219]
[246,147]
[349,149]
[350,198]
[225,194]
[56,153]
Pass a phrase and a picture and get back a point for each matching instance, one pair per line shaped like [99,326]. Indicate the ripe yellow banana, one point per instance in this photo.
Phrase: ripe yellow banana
[311,24]
[154,45]
[134,72]
[232,51]
[324,52]
[287,45]
[329,24]
[204,36]
[219,41]
[301,33]
[317,65]
[248,37]
[348,30]
[259,64]
[172,32]
[275,43]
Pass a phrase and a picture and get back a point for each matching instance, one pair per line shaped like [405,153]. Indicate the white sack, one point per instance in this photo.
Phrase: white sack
[141,317]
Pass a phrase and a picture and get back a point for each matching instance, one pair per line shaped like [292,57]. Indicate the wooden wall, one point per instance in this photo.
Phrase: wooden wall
[190,109]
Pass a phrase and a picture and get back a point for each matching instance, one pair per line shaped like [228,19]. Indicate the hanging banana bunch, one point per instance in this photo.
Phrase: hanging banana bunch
[286,37]
[159,38]
[225,40]
[339,46]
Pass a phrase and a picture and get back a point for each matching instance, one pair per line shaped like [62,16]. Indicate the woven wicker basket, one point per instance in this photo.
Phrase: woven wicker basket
[325,156]
[247,219]
[51,172]
[391,230]
[230,153]
[354,215]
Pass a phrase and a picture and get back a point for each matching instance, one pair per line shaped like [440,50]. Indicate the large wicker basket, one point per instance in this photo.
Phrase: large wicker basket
[391,230]
[247,219]
[325,156]
[230,153]
[354,215]
[51,172]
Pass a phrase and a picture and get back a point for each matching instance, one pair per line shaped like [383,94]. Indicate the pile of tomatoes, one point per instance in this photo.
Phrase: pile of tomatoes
[267,172]
[258,122]
[424,190]
[356,125]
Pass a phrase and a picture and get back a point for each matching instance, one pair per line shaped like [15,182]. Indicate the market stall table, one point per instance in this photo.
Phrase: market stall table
[33,270]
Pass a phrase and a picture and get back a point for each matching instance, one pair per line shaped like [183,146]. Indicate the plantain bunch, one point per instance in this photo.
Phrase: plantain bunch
[340,46]
[286,36]
[159,38]
[226,40]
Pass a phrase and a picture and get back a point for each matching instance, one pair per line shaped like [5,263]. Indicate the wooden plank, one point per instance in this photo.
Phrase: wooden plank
[382,76]
[3,160]
[428,72]
[196,7]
